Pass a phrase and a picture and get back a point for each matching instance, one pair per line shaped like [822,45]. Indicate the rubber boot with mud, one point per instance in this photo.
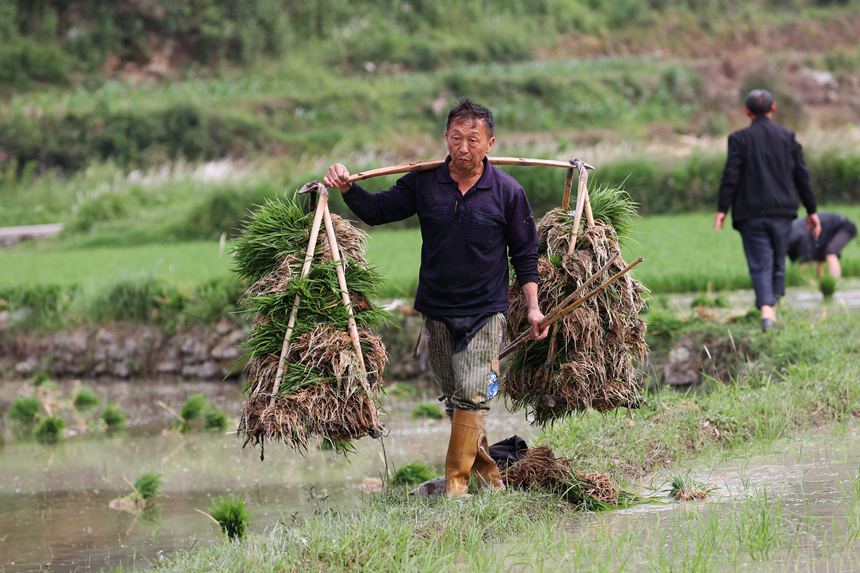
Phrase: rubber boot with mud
[466,431]
[485,469]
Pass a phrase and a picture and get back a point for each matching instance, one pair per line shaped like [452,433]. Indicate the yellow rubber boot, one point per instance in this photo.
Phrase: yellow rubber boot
[462,450]
[485,469]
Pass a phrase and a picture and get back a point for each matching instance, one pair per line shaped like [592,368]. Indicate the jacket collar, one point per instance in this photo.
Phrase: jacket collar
[486,181]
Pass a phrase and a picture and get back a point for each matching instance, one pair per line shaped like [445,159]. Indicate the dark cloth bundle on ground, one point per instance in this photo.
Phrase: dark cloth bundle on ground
[593,358]
[323,392]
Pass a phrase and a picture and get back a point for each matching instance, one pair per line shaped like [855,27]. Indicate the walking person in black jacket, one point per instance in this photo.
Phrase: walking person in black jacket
[764,181]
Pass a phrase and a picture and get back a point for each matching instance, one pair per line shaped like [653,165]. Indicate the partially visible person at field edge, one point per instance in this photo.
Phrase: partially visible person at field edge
[472,216]
[836,232]
[764,181]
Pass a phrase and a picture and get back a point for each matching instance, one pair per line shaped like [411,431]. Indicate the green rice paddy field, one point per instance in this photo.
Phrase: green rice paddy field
[682,254]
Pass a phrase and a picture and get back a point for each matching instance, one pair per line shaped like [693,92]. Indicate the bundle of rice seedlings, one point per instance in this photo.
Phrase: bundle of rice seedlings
[323,391]
[540,470]
[231,515]
[685,488]
[113,418]
[143,493]
[591,358]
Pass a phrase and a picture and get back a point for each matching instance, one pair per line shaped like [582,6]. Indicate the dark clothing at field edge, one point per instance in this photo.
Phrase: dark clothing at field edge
[836,231]
[765,175]
[466,239]
[765,242]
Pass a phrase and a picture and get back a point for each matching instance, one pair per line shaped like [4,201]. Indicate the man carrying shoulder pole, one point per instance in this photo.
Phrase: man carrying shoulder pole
[764,181]
[473,217]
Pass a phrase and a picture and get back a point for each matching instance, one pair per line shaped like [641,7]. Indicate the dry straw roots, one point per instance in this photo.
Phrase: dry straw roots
[591,359]
[541,470]
[323,391]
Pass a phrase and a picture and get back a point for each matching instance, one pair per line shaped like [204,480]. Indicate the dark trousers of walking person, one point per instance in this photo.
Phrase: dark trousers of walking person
[765,242]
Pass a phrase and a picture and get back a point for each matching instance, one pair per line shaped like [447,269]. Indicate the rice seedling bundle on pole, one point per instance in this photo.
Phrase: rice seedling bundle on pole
[314,366]
[592,356]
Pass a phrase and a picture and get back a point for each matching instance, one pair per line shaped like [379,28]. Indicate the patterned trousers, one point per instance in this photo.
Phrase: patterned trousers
[469,379]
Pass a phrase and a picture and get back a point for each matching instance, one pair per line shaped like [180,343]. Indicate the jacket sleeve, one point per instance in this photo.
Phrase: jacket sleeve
[521,237]
[801,177]
[379,208]
[731,175]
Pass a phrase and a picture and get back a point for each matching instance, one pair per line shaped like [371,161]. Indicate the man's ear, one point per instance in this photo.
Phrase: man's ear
[492,142]
[773,108]
[750,114]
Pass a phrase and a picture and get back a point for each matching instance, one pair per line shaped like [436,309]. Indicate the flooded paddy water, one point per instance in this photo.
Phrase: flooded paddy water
[795,507]
[54,499]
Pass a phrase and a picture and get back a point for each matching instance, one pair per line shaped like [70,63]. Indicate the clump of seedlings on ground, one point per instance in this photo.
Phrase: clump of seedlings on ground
[143,493]
[540,470]
[685,488]
[231,515]
[46,413]
[413,473]
[197,411]
[592,356]
[322,391]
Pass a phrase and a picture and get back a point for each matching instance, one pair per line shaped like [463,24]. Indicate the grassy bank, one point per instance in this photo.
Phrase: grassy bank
[805,375]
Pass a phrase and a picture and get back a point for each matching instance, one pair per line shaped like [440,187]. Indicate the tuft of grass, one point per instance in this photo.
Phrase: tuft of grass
[685,488]
[85,399]
[827,285]
[49,430]
[40,378]
[401,390]
[214,419]
[114,417]
[232,516]
[614,206]
[192,408]
[147,485]
[22,414]
[429,410]
[413,474]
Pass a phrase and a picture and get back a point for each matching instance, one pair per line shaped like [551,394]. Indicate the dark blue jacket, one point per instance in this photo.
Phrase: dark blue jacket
[466,239]
[765,175]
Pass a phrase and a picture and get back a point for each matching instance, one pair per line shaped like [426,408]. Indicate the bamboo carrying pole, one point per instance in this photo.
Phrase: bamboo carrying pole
[344,291]
[425,165]
[560,312]
[322,206]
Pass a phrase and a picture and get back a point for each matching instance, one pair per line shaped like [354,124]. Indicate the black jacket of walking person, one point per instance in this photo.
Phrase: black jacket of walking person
[765,175]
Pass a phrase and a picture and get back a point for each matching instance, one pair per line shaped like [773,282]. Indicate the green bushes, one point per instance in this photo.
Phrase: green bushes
[413,474]
[70,141]
[24,62]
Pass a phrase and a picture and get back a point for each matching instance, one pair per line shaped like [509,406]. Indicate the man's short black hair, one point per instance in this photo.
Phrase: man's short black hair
[467,109]
[759,102]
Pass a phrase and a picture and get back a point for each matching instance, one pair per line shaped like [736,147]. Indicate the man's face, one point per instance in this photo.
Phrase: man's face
[468,142]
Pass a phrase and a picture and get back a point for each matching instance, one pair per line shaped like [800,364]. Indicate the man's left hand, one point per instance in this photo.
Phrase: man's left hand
[813,224]
[535,318]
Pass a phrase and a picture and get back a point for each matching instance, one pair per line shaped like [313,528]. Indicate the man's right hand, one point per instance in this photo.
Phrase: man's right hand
[719,221]
[337,176]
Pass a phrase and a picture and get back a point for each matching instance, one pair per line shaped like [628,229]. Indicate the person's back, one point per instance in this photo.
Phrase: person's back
[771,175]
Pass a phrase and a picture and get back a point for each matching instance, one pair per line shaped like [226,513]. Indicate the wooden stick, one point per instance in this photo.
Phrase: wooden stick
[577,220]
[551,316]
[322,205]
[425,165]
[582,187]
[568,183]
[561,313]
[344,293]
